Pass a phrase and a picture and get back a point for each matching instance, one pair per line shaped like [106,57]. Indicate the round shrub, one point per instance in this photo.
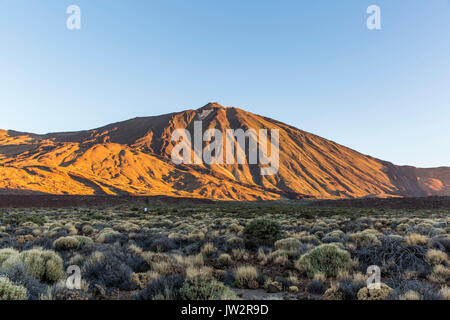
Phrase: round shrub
[272,286]
[84,241]
[6,253]
[288,244]
[246,277]
[402,227]
[262,232]
[436,257]
[310,239]
[225,259]
[206,290]
[340,291]
[328,259]
[24,239]
[66,243]
[87,230]
[334,236]
[417,239]
[8,291]
[316,287]
[375,294]
[44,265]
[108,235]
[364,238]
[236,242]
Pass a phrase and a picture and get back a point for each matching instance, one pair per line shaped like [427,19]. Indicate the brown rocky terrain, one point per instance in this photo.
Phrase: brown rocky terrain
[133,157]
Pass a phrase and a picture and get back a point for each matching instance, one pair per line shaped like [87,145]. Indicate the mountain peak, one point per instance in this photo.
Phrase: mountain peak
[211,105]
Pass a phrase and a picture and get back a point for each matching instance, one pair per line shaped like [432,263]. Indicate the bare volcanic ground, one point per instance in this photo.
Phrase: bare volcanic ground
[133,158]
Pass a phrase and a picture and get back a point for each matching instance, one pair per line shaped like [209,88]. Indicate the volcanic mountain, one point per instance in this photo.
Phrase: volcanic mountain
[134,157]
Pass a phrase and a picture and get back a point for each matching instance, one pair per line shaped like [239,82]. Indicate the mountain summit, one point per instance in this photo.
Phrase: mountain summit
[134,157]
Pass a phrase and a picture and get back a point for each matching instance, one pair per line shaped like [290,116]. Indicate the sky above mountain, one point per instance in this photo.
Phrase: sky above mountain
[311,64]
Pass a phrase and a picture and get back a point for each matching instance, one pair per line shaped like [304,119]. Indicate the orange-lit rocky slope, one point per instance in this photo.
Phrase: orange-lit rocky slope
[133,157]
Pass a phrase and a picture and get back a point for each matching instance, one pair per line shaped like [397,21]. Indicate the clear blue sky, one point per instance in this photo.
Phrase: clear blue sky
[311,64]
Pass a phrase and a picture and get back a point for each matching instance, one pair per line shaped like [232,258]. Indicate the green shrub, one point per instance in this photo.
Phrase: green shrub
[72,243]
[6,253]
[375,294]
[262,232]
[310,239]
[288,244]
[107,235]
[84,241]
[328,259]
[8,291]
[87,230]
[66,243]
[334,236]
[206,290]
[225,259]
[365,238]
[235,241]
[44,265]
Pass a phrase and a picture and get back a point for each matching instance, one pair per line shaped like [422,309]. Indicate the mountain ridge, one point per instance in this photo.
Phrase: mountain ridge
[133,157]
